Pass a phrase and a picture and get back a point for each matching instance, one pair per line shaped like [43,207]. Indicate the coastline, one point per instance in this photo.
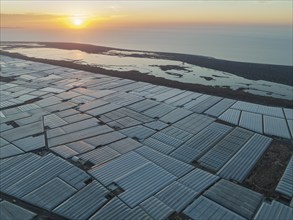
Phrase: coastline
[253,71]
[208,62]
[137,76]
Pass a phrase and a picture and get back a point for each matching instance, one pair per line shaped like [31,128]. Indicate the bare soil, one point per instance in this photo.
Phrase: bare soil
[269,169]
[6,79]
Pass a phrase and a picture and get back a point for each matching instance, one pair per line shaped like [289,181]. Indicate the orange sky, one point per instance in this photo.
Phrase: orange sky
[103,14]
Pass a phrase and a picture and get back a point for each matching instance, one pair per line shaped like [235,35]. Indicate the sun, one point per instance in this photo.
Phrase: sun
[77,21]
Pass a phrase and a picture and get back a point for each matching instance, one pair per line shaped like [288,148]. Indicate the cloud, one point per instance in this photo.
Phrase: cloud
[16,27]
[29,20]
[115,8]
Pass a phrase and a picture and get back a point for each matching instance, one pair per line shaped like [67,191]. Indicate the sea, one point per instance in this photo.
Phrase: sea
[256,44]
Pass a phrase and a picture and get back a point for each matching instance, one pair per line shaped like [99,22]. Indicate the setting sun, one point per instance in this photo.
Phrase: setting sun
[77,21]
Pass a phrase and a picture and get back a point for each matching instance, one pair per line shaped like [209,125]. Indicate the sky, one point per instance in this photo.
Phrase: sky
[112,14]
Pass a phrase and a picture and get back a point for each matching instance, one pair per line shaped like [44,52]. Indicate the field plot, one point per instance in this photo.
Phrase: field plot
[285,184]
[81,145]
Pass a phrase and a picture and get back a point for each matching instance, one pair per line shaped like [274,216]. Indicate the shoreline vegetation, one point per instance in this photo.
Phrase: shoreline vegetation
[251,71]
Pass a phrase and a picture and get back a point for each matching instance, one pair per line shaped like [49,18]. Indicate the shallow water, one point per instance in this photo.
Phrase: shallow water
[181,72]
[258,44]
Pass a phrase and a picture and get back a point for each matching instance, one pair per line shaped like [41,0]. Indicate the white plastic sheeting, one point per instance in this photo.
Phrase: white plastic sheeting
[51,194]
[178,97]
[122,98]
[9,150]
[100,155]
[276,127]
[142,183]
[156,208]
[288,113]
[167,95]
[159,111]
[30,143]
[53,121]
[238,199]
[78,135]
[223,151]
[125,145]
[204,208]
[64,151]
[198,180]
[84,203]
[231,116]
[103,109]
[139,132]
[115,209]
[177,196]
[158,145]
[10,211]
[168,163]
[194,123]
[251,121]
[275,210]
[204,104]
[201,142]
[175,115]
[260,109]
[243,162]
[32,180]
[220,107]
[285,186]
[109,172]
